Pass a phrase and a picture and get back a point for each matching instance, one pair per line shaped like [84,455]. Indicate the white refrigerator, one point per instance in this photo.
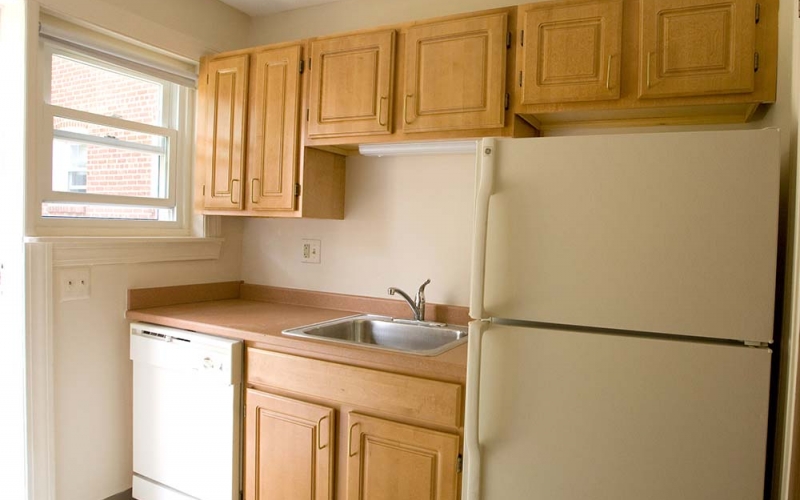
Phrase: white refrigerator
[623,292]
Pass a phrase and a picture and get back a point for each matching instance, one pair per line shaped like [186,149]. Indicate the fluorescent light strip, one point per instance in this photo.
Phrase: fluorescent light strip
[418,148]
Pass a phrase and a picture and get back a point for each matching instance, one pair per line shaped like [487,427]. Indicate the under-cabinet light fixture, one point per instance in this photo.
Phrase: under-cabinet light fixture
[418,148]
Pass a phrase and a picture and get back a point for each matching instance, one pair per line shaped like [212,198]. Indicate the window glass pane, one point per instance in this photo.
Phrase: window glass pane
[99,169]
[64,210]
[81,86]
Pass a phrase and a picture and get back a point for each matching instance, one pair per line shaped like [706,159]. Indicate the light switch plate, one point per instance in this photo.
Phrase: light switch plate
[75,283]
[312,251]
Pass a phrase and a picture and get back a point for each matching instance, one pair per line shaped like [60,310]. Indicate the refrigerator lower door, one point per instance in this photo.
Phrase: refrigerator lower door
[565,415]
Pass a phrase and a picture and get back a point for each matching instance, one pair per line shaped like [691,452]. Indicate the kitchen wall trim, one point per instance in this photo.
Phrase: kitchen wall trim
[39,371]
[81,251]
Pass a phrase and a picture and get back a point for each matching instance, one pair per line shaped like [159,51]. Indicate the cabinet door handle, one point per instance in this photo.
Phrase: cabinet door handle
[232,184]
[405,109]
[350,440]
[253,190]
[649,57]
[319,433]
[608,72]
[380,111]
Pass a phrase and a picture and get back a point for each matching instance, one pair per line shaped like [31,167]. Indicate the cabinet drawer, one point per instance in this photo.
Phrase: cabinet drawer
[429,401]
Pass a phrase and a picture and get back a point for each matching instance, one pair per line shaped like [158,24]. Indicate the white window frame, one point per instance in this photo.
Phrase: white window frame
[178,126]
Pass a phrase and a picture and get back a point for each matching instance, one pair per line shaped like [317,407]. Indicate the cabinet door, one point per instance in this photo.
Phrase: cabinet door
[571,52]
[391,461]
[455,75]
[226,115]
[696,47]
[273,129]
[351,85]
[289,449]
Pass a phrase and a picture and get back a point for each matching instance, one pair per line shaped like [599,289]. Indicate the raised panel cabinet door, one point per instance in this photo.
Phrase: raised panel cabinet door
[226,118]
[697,47]
[455,74]
[571,51]
[273,129]
[391,461]
[351,85]
[289,449]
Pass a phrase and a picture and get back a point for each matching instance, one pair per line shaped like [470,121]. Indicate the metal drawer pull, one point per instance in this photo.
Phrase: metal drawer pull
[232,184]
[319,434]
[405,108]
[350,440]
[380,111]
[253,190]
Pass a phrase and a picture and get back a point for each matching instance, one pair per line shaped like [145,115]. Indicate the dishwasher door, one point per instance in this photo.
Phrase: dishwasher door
[186,415]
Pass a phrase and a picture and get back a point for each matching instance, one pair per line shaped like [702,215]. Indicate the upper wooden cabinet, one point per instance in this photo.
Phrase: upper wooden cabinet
[572,51]
[272,142]
[351,85]
[455,74]
[225,114]
[697,47]
[267,172]
[388,460]
[289,449]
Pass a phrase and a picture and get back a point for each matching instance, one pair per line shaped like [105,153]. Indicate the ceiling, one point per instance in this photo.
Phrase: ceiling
[264,7]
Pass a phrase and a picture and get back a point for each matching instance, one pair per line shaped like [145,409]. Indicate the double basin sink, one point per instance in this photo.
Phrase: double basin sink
[380,332]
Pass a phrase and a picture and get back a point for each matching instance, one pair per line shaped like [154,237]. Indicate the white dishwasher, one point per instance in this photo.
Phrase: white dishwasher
[187,398]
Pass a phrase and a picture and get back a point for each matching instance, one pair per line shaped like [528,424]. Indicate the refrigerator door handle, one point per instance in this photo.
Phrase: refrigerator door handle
[485,174]
[472,452]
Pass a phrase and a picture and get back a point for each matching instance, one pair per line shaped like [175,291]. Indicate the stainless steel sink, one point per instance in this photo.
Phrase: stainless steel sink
[380,332]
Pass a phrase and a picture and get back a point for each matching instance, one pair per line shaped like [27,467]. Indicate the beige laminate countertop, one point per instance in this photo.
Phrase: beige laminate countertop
[259,324]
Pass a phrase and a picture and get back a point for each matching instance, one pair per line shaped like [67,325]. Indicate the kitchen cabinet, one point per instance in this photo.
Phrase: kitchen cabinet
[594,63]
[399,436]
[455,74]
[697,47]
[272,143]
[390,460]
[572,51]
[225,124]
[289,448]
[351,84]
[251,156]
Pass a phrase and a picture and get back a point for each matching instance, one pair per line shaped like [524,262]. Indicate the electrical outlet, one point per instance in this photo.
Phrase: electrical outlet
[312,251]
[75,283]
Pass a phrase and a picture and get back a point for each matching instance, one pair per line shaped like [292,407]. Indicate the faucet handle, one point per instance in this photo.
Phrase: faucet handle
[421,291]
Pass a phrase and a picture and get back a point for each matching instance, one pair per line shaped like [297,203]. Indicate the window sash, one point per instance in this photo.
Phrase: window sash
[48,195]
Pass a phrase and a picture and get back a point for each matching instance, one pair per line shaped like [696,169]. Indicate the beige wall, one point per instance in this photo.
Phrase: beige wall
[92,370]
[406,220]
[189,28]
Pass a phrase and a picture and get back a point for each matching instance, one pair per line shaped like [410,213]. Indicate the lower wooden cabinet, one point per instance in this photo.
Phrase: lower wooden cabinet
[391,461]
[289,449]
[319,430]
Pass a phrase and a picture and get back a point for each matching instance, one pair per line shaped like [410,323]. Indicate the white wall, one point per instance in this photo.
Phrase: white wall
[405,220]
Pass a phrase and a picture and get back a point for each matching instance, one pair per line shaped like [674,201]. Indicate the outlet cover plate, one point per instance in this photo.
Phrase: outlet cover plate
[312,251]
[75,283]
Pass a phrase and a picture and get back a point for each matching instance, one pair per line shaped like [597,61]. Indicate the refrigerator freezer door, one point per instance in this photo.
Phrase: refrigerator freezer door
[566,415]
[671,233]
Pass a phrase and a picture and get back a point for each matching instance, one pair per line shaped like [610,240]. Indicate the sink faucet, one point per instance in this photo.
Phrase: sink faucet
[417,305]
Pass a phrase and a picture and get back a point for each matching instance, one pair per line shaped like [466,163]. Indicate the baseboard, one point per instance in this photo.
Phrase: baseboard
[124,495]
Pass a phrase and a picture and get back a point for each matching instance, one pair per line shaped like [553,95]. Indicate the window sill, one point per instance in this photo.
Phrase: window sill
[82,251]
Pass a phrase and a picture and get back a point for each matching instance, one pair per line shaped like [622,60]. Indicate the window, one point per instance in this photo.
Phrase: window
[116,145]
